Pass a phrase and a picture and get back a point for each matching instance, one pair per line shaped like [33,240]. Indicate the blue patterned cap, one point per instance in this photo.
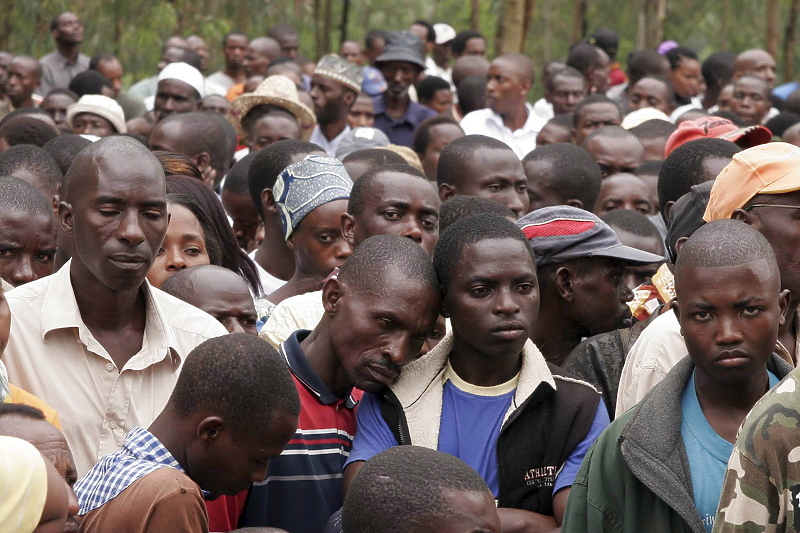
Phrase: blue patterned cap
[308,184]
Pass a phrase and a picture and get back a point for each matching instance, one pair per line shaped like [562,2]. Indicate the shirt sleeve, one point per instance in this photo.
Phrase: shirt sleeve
[372,434]
[749,500]
[573,463]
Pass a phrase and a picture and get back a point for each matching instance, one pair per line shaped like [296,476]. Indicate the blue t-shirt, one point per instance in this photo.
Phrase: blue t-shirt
[469,429]
[708,453]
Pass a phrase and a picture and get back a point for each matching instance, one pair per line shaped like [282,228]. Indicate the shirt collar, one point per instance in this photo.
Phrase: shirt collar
[530,122]
[142,445]
[60,311]
[298,363]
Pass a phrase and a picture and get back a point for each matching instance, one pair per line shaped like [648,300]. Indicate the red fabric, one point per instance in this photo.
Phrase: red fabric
[562,226]
[224,512]
[616,75]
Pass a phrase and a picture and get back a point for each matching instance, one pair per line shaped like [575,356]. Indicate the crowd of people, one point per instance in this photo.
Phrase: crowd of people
[385,291]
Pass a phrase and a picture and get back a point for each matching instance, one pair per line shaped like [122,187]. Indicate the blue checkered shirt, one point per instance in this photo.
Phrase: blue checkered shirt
[141,454]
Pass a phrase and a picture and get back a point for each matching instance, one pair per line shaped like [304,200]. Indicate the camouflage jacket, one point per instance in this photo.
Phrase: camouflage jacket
[762,485]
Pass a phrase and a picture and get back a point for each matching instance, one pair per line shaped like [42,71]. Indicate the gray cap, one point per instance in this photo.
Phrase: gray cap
[403,46]
[361,139]
[562,233]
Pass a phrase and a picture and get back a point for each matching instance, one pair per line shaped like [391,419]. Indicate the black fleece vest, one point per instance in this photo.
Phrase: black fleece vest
[534,443]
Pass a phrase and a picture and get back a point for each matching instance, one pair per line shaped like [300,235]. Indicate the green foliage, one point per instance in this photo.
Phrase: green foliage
[135,31]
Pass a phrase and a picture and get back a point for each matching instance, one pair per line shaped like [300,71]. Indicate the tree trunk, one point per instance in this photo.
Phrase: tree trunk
[789,40]
[579,20]
[726,24]
[655,11]
[345,17]
[526,23]
[512,26]
[326,28]
[773,13]
[475,15]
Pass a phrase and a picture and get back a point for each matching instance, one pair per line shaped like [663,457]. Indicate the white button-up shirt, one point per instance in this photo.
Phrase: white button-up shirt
[330,147]
[53,355]
[487,122]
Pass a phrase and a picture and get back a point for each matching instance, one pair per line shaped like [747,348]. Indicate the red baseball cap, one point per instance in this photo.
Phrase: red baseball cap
[721,128]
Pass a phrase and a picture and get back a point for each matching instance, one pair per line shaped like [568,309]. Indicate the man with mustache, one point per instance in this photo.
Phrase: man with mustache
[485,393]
[97,324]
[401,63]
[378,313]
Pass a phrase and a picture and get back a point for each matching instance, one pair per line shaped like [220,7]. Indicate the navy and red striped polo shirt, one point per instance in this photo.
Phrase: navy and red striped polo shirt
[304,484]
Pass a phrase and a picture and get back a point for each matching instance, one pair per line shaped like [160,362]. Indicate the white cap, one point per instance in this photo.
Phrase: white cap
[99,105]
[444,32]
[634,118]
[185,73]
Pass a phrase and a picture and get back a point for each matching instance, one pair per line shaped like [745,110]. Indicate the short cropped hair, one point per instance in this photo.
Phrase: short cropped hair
[458,207]
[611,132]
[653,129]
[583,56]
[676,55]
[374,157]
[591,100]
[89,82]
[649,168]
[566,72]
[204,133]
[33,159]
[724,243]
[459,42]
[718,69]
[456,158]
[236,178]
[634,223]
[427,88]
[467,232]
[408,486]
[239,376]
[270,162]
[27,130]
[431,33]
[422,136]
[471,92]
[574,172]
[21,410]
[381,257]
[684,167]
[361,188]
[643,63]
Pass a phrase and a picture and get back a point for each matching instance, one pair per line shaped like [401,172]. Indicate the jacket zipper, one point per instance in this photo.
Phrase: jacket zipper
[517,412]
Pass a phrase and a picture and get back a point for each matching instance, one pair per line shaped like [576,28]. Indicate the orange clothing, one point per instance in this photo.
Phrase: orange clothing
[236,90]
[20,396]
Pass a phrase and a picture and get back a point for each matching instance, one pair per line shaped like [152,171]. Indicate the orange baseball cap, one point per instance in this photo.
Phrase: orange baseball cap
[772,168]
[721,128]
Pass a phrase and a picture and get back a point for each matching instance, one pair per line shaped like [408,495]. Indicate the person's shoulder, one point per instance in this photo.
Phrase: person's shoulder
[34,288]
[774,421]
[20,396]
[567,382]
[477,117]
[184,317]
[47,60]
[167,481]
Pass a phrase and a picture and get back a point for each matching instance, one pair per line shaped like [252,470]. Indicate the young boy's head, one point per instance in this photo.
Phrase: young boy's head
[381,309]
[561,174]
[234,406]
[27,232]
[729,301]
[488,274]
[418,490]
[476,165]
[220,292]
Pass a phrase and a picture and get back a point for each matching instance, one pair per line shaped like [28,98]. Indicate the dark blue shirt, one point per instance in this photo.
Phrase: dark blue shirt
[400,131]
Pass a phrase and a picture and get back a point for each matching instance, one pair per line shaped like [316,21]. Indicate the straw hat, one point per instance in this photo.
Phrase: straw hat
[276,90]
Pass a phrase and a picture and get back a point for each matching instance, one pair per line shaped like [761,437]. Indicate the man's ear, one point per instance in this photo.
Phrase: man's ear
[446,191]
[268,201]
[210,429]
[349,228]
[54,201]
[572,133]
[564,284]
[443,310]
[679,244]
[574,202]
[331,294]
[745,216]
[349,99]
[784,303]
[290,242]
[65,217]
[667,209]
[203,161]
[676,308]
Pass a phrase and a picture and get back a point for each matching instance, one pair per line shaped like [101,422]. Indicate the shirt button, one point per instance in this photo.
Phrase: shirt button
[110,367]
[112,425]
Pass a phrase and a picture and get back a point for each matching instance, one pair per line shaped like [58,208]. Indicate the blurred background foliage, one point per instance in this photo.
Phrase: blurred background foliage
[134,31]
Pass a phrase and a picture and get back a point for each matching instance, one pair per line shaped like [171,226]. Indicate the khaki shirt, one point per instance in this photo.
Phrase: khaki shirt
[53,355]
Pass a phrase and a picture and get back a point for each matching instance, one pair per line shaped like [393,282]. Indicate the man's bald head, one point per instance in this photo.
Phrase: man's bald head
[29,62]
[520,63]
[755,62]
[466,66]
[266,46]
[85,170]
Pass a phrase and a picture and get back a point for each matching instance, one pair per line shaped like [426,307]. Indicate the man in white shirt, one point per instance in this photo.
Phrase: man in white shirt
[509,117]
[95,339]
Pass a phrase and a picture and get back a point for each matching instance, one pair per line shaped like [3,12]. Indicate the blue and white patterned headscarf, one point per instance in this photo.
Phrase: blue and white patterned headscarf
[306,185]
